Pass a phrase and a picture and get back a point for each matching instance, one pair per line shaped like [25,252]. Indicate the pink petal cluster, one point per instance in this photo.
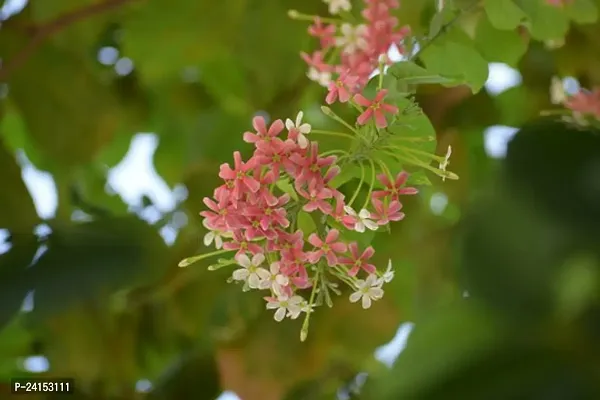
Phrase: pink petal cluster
[361,49]
[257,219]
[585,102]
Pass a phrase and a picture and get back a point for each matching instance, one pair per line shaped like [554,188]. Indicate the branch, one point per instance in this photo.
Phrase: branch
[46,30]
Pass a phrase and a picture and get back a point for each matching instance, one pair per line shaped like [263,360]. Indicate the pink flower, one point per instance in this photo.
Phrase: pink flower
[271,214]
[325,34]
[394,189]
[222,216]
[242,245]
[384,213]
[316,198]
[311,164]
[240,176]
[375,109]
[341,216]
[327,248]
[358,261]
[585,102]
[275,153]
[342,88]
[263,134]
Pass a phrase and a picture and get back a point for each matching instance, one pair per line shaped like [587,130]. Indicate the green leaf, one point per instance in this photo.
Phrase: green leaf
[101,256]
[182,34]
[412,74]
[504,14]
[545,22]
[306,223]
[286,187]
[582,11]
[505,46]
[347,173]
[418,178]
[17,211]
[77,116]
[458,61]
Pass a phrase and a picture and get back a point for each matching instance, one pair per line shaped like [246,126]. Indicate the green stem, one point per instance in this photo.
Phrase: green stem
[327,111]
[362,179]
[304,330]
[333,133]
[386,170]
[330,152]
[190,260]
[372,184]
[294,14]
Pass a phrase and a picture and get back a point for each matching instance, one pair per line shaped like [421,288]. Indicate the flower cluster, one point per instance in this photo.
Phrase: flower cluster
[251,215]
[281,212]
[349,53]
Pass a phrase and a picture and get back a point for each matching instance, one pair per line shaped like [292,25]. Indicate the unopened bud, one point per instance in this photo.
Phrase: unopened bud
[293,14]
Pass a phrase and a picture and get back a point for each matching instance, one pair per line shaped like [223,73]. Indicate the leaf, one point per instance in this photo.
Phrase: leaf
[505,46]
[286,187]
[418,178]
[347,173]
[77,116]
[410,73]
[306,223]
[582,11]
[545,22]
[182,34]
[17,211]
[101,256]
[458,61]
[504,14]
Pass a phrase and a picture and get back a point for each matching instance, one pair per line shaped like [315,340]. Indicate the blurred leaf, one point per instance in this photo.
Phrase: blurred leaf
[177,34]
[88,259]
[458,62]
[76,118]
[506,46]
[17,211]
[545,22]
[504,14]
[582,11]
[16,137]
[13,283]
[410,73]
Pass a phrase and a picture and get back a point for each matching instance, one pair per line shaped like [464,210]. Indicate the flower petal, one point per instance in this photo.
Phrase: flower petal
[354,297]
[279,314]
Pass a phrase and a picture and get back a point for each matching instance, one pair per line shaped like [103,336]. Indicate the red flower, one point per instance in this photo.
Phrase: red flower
[327,248]
[342,88]
[316,198]
[358,261]
[311,165]
[242,245]
[325,34]
[375,109]
[394,189]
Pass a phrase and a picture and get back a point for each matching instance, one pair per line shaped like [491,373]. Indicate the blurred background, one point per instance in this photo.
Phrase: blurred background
[114,118]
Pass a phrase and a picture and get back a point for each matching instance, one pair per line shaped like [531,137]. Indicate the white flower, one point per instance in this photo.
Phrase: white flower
[444,164]
[321,77]
[216,236]
[275,281]
[251,273]
[363,219]
[558,94]
[388,275]
[335,6]
[353,38]
[292,306]
[302,129]
[367,290]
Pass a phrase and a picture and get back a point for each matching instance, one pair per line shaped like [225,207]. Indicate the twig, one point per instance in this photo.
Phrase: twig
[45,30]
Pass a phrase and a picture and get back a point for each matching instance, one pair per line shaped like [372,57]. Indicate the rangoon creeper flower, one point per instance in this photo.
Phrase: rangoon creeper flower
[367,290]
[353,38]
[388,275]
[298,130]
[363,219]
[215,235]
[276,281]
[251,271]
[335,6]
[284,304]
[375,109]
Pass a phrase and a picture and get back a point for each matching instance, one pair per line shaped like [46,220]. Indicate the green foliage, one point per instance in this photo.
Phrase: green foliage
[111,306]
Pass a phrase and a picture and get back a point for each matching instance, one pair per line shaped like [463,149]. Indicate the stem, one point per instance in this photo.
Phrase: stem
[327,153]
[190,260]
[332,133]
[386,170]
[415,151]
[294,14]
[362,179]
[327,111]
[343,276]
[304,330]
[372,184]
